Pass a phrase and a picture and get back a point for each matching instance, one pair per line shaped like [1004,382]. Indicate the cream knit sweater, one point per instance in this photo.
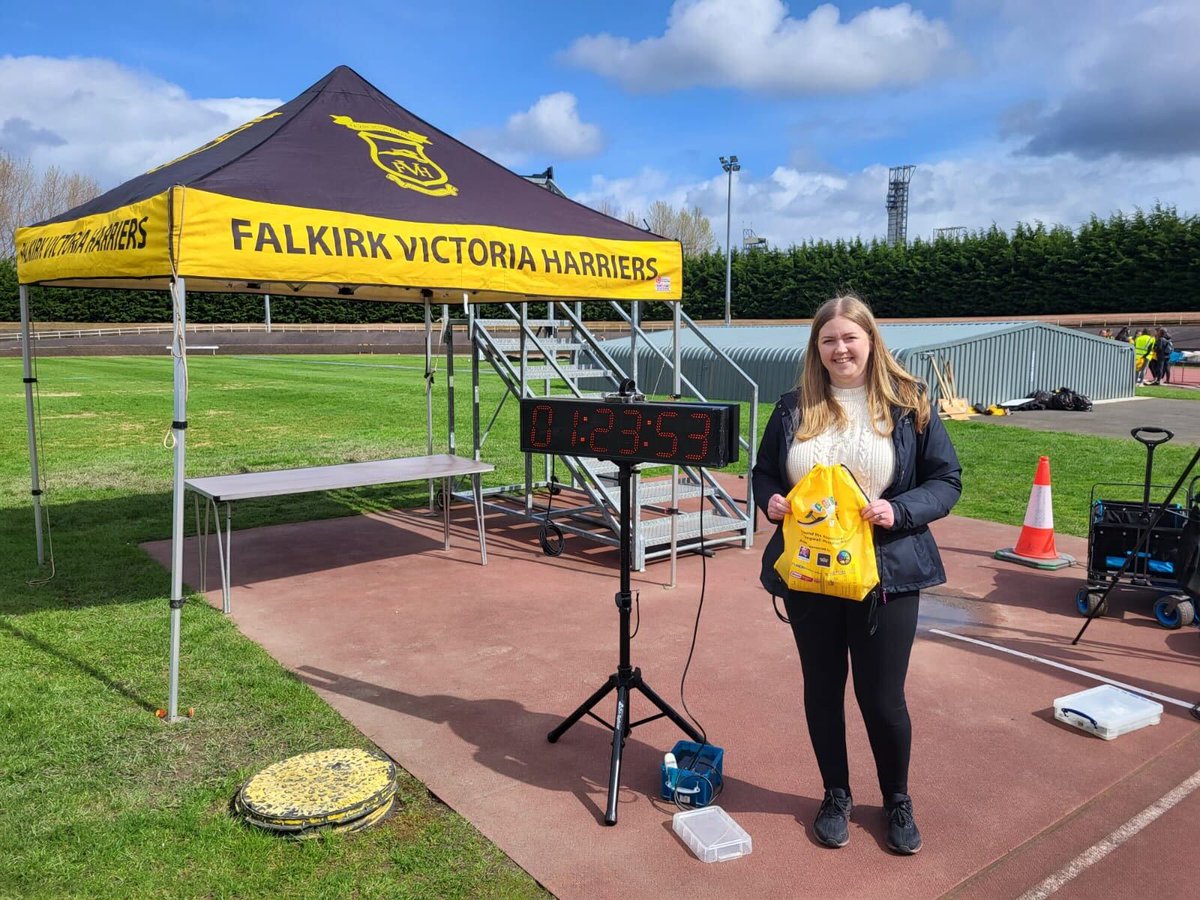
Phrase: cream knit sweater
[870,456]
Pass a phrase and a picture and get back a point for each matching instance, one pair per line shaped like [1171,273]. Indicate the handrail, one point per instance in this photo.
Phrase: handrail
[548,356]
[593,344]
[661,355]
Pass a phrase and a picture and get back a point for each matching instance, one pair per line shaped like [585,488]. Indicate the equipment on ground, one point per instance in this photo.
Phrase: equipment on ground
[1107,711]
[950,405]
[1148,545]
[711,834]
[314,793]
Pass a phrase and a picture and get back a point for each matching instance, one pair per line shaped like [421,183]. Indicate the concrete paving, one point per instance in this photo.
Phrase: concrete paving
[459,671]
[1113,419]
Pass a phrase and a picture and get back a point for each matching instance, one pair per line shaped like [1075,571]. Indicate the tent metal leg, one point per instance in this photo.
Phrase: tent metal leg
[178,430]
[429,388]
[450,425]
[36,491]
[676,386]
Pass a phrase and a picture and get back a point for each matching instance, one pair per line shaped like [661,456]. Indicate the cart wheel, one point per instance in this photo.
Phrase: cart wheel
[1172,614]
[1183,613]
[1086,601]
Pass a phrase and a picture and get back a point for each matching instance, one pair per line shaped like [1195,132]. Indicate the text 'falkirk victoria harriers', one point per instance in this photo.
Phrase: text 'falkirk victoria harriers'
[443,249]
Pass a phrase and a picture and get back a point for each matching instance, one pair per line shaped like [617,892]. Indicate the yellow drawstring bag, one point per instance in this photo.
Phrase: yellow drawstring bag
[827,547]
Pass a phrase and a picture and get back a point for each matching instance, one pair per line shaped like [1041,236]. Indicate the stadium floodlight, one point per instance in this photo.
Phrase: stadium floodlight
[730,166]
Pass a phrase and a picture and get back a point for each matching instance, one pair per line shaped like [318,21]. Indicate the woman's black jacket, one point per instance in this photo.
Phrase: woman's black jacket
[927,483]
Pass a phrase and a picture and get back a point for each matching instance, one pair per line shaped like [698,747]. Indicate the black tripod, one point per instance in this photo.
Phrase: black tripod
[626,678]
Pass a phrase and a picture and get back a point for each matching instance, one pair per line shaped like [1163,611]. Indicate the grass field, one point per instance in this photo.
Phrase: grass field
[101,799]
[1166,392]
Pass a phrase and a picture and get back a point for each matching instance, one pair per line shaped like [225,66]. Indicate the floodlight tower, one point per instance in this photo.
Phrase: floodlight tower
[897,204]
[730,166]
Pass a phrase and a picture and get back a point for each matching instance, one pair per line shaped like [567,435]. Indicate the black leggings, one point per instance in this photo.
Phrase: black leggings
[826,630]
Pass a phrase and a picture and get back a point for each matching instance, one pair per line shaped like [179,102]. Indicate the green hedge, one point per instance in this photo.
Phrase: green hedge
[1144,262]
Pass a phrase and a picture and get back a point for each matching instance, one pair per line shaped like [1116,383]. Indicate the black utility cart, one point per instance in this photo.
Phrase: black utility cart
[1159,537]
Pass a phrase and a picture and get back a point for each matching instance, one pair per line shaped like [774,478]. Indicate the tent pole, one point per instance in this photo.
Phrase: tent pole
[178,430]
[634,321]
[26,357]
[675,386]
[450,442]
[429,388]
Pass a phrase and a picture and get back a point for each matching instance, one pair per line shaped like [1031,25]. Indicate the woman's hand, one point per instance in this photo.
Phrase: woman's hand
[879,513]
[778,507]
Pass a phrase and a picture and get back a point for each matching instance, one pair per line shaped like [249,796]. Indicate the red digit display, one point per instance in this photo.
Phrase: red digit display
[632,417]
[668,432]
[666,419]
[600,447]
[542,419]
[704,422]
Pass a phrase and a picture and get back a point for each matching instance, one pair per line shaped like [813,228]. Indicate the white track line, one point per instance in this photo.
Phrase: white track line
[1065,668]
[1097,852]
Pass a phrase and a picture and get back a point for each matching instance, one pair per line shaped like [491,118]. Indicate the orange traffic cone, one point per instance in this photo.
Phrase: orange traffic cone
[1035,546]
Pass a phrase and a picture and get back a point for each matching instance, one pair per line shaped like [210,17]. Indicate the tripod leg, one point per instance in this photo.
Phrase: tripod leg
[614,773]
[662,704]
[579,713]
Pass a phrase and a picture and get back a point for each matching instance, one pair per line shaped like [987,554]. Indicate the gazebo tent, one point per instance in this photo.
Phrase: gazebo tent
[340,192]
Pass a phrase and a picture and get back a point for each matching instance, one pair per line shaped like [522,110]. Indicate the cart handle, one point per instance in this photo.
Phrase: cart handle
[1138,435]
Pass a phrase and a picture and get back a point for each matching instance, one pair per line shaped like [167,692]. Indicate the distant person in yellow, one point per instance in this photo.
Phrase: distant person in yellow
[1143,350]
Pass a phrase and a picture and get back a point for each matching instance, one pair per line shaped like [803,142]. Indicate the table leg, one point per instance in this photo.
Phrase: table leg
[477,491]
[446,513]
[200,541]
[228,573]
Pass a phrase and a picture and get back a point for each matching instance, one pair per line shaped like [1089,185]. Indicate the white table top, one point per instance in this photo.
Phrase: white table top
[225,488]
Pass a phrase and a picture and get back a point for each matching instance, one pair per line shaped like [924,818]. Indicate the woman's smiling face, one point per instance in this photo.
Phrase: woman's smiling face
[845,351]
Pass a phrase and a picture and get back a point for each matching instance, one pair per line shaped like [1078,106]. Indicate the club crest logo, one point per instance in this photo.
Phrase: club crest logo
[401,155]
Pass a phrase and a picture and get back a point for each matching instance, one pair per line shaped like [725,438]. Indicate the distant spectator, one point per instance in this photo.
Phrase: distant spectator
[1143,348]
[1106,332]
[1124,335]
[1164,346]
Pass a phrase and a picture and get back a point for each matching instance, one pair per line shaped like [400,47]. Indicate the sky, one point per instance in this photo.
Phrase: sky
[1011,110]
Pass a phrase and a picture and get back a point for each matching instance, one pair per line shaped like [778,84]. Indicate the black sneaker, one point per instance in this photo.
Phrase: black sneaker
[832,825]
[902,834]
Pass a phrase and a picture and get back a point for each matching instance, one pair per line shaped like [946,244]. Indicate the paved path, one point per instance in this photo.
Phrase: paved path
[459,671]
[1113,419]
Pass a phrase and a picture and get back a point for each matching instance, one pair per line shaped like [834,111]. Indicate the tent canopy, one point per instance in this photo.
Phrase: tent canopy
[342,192]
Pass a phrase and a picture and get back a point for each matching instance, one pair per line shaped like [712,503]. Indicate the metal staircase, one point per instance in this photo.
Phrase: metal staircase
[674,508]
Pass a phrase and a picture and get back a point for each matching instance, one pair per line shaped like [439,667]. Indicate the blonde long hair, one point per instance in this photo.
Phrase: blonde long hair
[889,386]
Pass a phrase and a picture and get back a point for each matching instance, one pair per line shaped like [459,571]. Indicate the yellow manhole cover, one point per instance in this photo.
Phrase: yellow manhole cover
[329,787]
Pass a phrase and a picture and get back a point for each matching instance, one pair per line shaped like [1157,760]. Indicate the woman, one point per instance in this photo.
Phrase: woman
[855,405]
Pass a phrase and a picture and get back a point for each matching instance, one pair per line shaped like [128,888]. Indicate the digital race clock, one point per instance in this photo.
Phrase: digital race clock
[686,434]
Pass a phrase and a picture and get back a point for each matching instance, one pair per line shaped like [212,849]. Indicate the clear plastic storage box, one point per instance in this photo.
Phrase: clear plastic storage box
[1107,711]
[711,834]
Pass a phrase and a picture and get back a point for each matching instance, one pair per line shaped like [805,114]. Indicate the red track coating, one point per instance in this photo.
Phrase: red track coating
[459,671]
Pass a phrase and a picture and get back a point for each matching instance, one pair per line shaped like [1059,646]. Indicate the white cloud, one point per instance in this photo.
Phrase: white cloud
[756,45]
[551,129]
[792,205]
[1128,88]
[96,117]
